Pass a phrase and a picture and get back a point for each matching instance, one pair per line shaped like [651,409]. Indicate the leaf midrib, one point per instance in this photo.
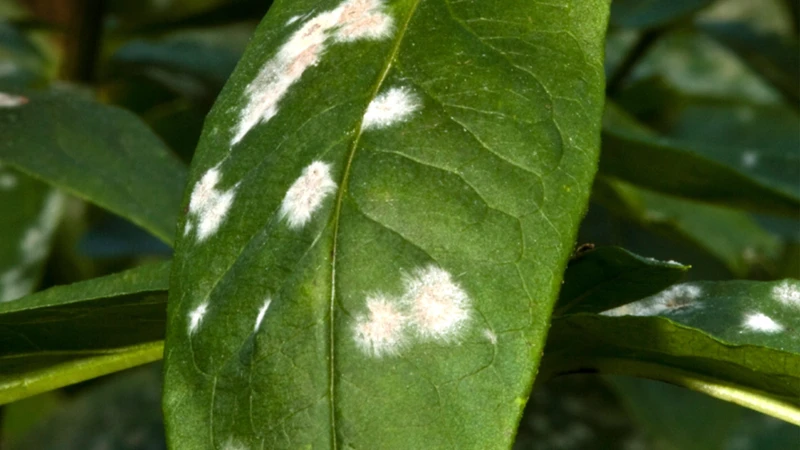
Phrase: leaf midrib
[338,210]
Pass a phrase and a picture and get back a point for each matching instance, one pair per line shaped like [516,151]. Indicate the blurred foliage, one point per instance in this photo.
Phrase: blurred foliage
[719,79]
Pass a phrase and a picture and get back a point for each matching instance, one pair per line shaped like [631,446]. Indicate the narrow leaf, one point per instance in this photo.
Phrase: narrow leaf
[68,334]
[381,207]
[606,277]
[100,153]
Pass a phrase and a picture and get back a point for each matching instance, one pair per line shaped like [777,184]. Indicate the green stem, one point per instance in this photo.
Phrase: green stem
[642,46]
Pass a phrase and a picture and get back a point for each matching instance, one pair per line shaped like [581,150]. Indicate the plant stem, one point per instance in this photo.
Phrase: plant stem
[643,45]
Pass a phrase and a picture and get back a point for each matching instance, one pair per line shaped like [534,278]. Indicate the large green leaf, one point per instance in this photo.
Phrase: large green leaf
[606,277]
[72,333]
[397,293]
[100,153]
[696,170]
[735,340]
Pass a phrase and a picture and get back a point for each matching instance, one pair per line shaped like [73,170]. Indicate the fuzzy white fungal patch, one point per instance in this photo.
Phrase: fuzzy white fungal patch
[208,206]
[196,317]
[7,181]
[261,313]
[11,101]
[307,193]
[382,330]
[438,307]
[761,323]
[749,159]
[787,293]
[390,107]
[352,20]
[677,298]
[490,336]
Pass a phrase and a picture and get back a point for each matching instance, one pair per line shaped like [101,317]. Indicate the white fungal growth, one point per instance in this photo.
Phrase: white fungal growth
[208,206]
[787,293]
[390,107]
[674,299]
[293,19]
[307,193]
[761,323]
[382,330]
[352,20]
[261,313]
[749,159]
[7,181]
[11,101]
[490,336]
[438,308]
[196,317]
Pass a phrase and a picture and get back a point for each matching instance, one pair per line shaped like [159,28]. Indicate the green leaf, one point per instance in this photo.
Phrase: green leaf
[734,340]
[732,237]
[653,13]
[450,154]
[606,277]
[29,215]
[72,333]
[99,153]
[695,170]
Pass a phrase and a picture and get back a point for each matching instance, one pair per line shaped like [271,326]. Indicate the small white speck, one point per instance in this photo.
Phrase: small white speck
[788,293]
[293,19]
[208,205]
[675,299]
[196,316]
[439,309]
[749,159]
[490,336]
[307,193]
[11,101]
[382,331]
[762,323]
[14,284]
[7,181]
[261,313]
[390,107]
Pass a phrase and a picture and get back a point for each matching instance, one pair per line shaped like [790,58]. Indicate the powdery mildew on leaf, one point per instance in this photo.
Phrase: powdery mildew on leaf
[307,193]
[674,299]
[490,336]
[787,293]
[8,181]
[761,323]
[382,330]
[438,308]
[390,107]
[208,206]
[261,313]
[11,101]
[352,20]
[196,317]
[749,159]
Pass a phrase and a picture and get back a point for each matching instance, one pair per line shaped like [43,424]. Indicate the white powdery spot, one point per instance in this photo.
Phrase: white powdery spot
[761,323]
[490,336]
[352,20]
[390,107]
[208,205]
[307,193]
[196,317]
[7,181]
[11,101]
[261,313]
[14,284]
[787,293]
[438,308]
[382,331]
[677,298]
[749,159]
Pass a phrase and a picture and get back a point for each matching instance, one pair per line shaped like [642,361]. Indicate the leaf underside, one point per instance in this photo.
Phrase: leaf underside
[322,330]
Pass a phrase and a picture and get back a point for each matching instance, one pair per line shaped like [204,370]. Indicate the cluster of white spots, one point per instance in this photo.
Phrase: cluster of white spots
[749,159]
[761,323]
[432,308]
[390,107]
[261,313]
[208,206]
[11,101]
[677,298]
[383,330]
[788,293]
[196,317]
[352,20]
[307,193]
[33,248]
